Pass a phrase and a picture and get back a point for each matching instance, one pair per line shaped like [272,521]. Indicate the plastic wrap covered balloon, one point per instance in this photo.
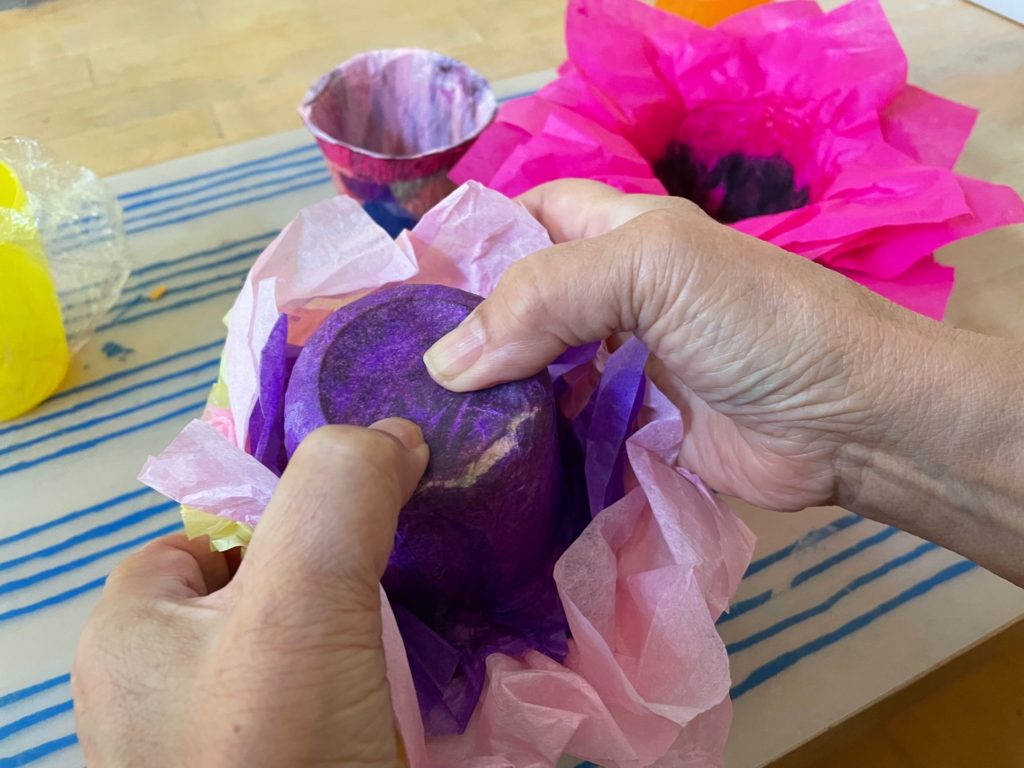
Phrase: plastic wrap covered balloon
[556,577]
[63,264]
[791,124]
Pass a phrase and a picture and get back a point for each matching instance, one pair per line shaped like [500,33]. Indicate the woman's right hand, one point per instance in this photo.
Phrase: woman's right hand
[797,386]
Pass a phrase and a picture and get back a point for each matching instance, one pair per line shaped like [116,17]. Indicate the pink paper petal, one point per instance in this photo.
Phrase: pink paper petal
[470,240]
[201,469]
[794,125]
[924,288]
[928,128]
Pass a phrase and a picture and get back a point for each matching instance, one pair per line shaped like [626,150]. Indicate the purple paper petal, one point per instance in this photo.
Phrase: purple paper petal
[266,424]
[616,404]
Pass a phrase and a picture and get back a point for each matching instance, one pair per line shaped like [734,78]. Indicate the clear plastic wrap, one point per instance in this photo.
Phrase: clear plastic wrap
[77,220]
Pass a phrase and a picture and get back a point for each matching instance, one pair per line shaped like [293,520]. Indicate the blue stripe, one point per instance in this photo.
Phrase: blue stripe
[263,237]
[130,372]
[127,297]
[225,193]
[89,423]
[161,279]
[163,379]
[37,753]
[100,507]
[124,315]
[740,607]
[219,172]
[98,531]
[320,173]
[812,537]
[164,307]
[33,719]
[74,448]
[829,602]
[315,158]
[786,660]
[32,690]
[61,597]
[237,275]
[88,226]
[49,573]
[325,179]
[846,554]
[743,606]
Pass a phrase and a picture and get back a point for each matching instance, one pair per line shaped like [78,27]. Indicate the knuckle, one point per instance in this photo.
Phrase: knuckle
[522,293]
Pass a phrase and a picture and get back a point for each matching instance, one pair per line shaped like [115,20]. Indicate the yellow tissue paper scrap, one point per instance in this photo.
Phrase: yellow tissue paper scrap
[224,534]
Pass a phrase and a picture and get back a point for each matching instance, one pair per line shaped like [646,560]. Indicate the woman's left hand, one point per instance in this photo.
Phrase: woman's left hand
[283,664]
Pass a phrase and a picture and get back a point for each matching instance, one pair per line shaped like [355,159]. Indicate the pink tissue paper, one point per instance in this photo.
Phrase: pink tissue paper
[791,124]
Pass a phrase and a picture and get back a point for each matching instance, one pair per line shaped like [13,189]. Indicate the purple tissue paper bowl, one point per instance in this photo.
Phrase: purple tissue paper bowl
[488,497]
[391,123]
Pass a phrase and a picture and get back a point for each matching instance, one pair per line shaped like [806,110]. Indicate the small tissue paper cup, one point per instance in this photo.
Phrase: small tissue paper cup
[391,123]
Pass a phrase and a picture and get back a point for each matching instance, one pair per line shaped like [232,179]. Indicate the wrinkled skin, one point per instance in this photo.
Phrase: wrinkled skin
[797,386]
[281,665]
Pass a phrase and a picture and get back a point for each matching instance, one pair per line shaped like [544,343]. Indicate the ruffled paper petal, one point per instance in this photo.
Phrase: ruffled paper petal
[201,469]
[930,129]
[224,533]
[617,402]
[472,239]
[794,125]
[924,288]
[266,424]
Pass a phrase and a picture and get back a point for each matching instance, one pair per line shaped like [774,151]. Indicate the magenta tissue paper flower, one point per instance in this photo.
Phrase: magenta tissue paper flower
[791,124]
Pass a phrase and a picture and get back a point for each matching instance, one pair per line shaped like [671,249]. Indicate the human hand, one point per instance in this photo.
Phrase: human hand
[797,386]
[756,346]
[180,664]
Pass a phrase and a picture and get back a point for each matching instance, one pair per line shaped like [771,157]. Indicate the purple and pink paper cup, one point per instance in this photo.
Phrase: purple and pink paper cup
[392,123]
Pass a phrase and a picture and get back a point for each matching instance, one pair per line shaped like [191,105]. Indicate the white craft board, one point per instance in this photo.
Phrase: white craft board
[1011,9]
[836,614]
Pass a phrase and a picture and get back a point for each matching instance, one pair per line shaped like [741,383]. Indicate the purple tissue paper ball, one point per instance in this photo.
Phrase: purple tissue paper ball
[480,522]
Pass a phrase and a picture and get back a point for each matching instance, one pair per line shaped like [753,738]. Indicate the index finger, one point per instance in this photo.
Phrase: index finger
[171,567]
[575,209]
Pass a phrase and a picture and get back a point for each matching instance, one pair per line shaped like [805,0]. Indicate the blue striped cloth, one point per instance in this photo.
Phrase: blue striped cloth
[70,506]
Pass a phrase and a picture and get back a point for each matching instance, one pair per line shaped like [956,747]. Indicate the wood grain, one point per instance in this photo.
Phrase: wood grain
[116,86]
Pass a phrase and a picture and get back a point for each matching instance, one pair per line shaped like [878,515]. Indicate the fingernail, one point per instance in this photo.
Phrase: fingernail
[454,354]
[408,434]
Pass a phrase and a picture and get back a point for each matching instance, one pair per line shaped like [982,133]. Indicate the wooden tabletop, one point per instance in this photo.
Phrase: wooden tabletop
[118,86]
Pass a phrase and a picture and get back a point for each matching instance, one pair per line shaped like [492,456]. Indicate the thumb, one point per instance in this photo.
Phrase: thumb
[305,660]
[324,540]
[563,296]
